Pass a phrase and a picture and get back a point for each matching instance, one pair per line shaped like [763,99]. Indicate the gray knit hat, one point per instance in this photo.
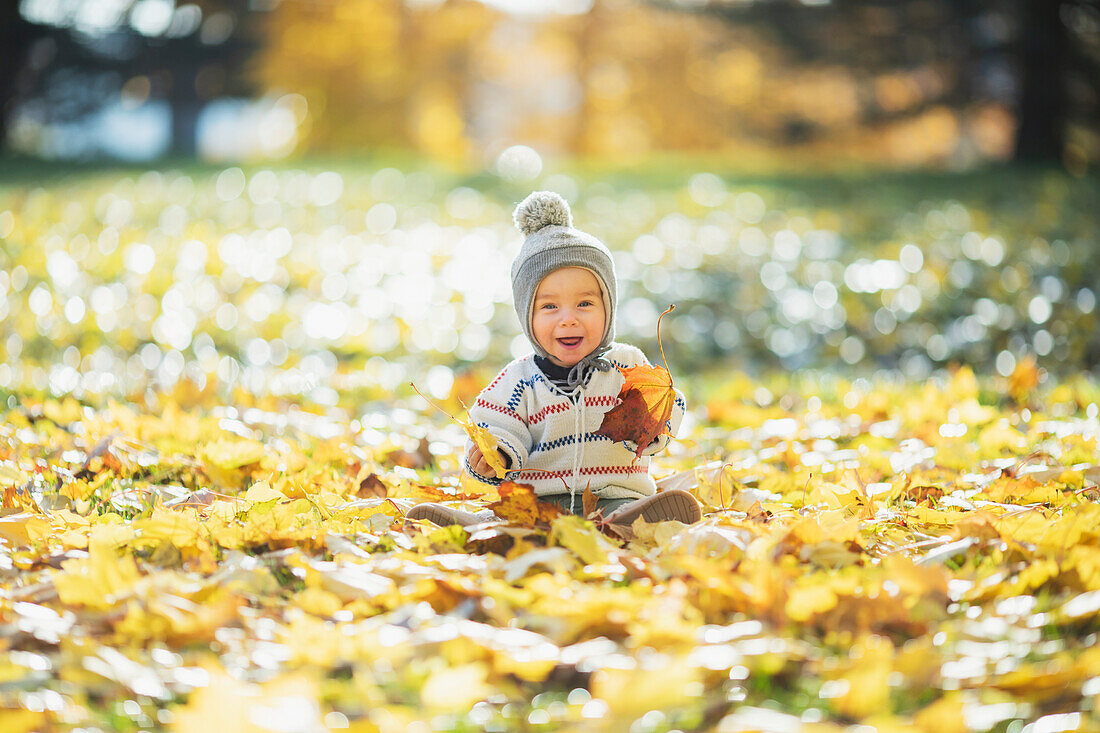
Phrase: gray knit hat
[553,243]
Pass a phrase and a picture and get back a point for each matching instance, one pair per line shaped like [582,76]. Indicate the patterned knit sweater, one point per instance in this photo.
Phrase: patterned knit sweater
[537,425]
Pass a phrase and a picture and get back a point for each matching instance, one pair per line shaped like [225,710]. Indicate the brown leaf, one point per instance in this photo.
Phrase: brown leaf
[497,538]
[424,452]
[923,493]
[405,459]
[372,487]
[645,405]
[518,503]
[757,513]
[589,500]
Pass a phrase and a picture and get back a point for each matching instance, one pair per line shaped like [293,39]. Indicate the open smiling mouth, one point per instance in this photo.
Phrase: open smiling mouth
[571,341]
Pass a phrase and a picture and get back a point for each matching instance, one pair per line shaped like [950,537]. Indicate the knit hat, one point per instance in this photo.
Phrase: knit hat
[552,243]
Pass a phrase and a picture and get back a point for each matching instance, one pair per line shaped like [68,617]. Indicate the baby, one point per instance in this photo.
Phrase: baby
[545,408]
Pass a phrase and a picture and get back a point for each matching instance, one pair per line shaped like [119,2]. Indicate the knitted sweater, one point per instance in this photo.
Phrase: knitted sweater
[537,425]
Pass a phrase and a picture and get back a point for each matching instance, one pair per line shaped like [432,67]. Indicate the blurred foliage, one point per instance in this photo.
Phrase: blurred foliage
[377,73]
[778,85]
[303,280]
[905,557]
[622,79]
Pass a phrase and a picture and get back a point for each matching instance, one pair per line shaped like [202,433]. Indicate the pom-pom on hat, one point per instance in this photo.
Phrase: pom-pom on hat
[552,243]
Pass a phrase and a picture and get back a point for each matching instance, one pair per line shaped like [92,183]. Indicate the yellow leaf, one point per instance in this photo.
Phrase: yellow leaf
[227,461]
[470,485]
[655,534]
[971,412]
[456,688]
[23,528]
[915,580]
[582,537]
[318,602]
[1024,378]
[22,721]
[63,411]
[827,526]
[632,692]
[864,689]
[943,716]
[834,496]
[228,705]
[179,528]
[809,598]
[715,487]
[232,453]
[963,385]
[928,515]
[113,535]
[1034,576]
[486,442]
[261,492]
[99,580]
[1000,437]
[11,474]
[1086,561]
[778,482]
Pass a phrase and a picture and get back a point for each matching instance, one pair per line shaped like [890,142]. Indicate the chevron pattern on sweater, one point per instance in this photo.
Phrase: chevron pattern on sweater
[519,389]
[497,408]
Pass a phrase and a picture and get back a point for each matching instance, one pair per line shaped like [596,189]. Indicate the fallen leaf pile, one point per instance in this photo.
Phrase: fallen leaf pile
[897,557]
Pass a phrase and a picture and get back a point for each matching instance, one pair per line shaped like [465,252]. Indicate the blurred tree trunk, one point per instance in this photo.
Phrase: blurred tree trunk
[183,99]
[1044,56]
[16,37]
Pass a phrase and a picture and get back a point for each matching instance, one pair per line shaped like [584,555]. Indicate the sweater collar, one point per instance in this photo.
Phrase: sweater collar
[556,374]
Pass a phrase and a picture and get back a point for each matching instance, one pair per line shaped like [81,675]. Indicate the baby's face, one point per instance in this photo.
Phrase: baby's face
[568,317]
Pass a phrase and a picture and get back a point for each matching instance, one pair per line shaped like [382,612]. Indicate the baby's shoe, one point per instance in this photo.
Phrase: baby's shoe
[674,504]
[445,516]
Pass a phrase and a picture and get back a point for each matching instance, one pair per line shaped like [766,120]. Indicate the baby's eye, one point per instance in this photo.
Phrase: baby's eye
[548,306]
[586,304]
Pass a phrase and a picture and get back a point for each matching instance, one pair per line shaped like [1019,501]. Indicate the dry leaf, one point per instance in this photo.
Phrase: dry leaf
[487,443]
[518,503]
[645,404]
[589,500]
[644,407]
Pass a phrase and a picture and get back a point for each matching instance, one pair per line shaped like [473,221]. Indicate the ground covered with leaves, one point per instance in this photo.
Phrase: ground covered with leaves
[906,557]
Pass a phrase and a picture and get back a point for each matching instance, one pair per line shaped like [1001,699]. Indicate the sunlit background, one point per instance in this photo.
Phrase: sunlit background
[789,83]
[316,196]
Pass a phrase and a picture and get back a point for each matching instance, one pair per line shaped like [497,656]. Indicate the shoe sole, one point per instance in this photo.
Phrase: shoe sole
[436,515]
[675,505]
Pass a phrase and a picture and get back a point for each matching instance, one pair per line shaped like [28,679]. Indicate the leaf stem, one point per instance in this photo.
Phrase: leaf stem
[433,404]
[659,344]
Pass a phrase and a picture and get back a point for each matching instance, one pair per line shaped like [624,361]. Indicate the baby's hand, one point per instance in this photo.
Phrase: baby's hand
[479,464]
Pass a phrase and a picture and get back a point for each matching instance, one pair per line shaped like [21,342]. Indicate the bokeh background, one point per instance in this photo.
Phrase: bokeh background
[312,198]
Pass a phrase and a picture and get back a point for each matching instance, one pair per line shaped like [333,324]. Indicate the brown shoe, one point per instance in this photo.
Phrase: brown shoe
[675,504]
[444,516]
